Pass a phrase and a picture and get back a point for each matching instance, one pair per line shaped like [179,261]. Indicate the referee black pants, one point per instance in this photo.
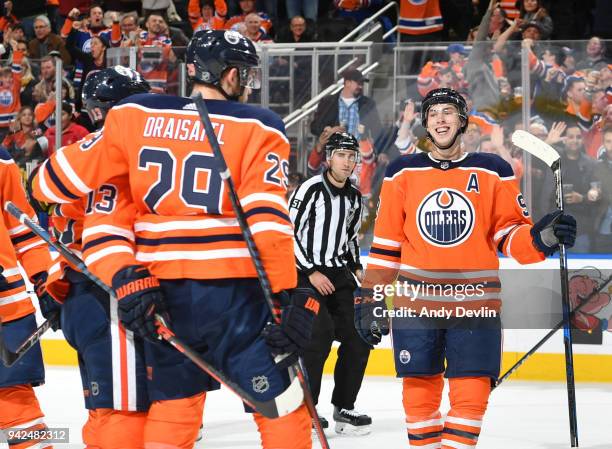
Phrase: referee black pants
[336,322]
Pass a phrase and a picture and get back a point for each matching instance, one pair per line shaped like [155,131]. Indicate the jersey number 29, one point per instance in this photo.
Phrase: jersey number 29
[208,199]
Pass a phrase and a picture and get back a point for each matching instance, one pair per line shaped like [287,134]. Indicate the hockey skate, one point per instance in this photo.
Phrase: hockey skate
[351,422]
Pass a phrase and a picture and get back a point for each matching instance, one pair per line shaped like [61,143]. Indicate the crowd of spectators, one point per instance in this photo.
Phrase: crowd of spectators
[571,84]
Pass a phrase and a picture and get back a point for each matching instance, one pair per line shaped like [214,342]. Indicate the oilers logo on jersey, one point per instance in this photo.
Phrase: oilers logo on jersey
[6,98]
[445,217]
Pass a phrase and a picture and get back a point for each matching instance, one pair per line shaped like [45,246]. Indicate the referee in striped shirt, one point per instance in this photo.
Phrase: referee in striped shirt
[326,213]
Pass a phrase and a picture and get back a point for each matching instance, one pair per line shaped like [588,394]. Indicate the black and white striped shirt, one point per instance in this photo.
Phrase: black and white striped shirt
[327,221]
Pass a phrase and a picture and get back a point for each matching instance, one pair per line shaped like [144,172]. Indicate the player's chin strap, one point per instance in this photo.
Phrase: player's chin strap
[447,146]
[230,97]
[223,92]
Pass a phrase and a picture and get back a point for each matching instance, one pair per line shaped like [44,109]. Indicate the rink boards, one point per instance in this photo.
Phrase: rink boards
[593,361]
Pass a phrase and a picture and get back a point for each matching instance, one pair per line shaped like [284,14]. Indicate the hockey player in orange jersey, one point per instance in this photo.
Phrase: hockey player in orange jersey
[442,219]
[19,408]
[111,359]
[193,263]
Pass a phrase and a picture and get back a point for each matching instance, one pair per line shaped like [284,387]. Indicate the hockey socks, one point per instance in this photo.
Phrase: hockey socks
[469,397]
[460,430]
[19,410]
[291,431]
[421,399]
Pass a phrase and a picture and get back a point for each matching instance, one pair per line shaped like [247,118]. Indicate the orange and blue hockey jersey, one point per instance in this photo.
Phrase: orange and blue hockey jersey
[185,226]
[420,17]
[10,102]
[17,245]
[447,220]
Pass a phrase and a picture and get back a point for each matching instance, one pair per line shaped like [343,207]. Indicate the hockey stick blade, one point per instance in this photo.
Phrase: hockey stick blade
[283,404]
[8,357]
[536,147]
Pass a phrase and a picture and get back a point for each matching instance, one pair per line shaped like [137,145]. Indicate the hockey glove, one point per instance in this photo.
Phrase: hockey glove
[298,311]
[368,322]
[49,307]
[140,299]
[38,206]
[553,230]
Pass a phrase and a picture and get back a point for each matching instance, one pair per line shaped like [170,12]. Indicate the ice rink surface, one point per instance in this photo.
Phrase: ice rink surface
[521,415]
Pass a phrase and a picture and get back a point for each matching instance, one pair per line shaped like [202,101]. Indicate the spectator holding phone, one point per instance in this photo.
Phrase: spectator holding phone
[129,30]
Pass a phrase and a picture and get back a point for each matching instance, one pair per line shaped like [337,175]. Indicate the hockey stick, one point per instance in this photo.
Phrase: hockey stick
[8,357]
[254,252]
[544,339]
[550,157]
[283,404]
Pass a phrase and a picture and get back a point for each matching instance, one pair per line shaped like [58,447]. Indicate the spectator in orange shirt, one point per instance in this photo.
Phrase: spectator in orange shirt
[247,7]
[10,88]
[471,138]
[207,15]
[578,105]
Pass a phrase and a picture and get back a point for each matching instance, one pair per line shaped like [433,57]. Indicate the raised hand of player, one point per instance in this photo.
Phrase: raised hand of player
[140,299]
[369,324]
[49,307]
[553,230]
[298,311]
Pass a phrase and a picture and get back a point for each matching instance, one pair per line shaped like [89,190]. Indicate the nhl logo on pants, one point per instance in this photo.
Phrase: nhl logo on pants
[260,384]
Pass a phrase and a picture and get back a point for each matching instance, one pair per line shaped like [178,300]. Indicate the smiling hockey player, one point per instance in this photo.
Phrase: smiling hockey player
[443,217]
